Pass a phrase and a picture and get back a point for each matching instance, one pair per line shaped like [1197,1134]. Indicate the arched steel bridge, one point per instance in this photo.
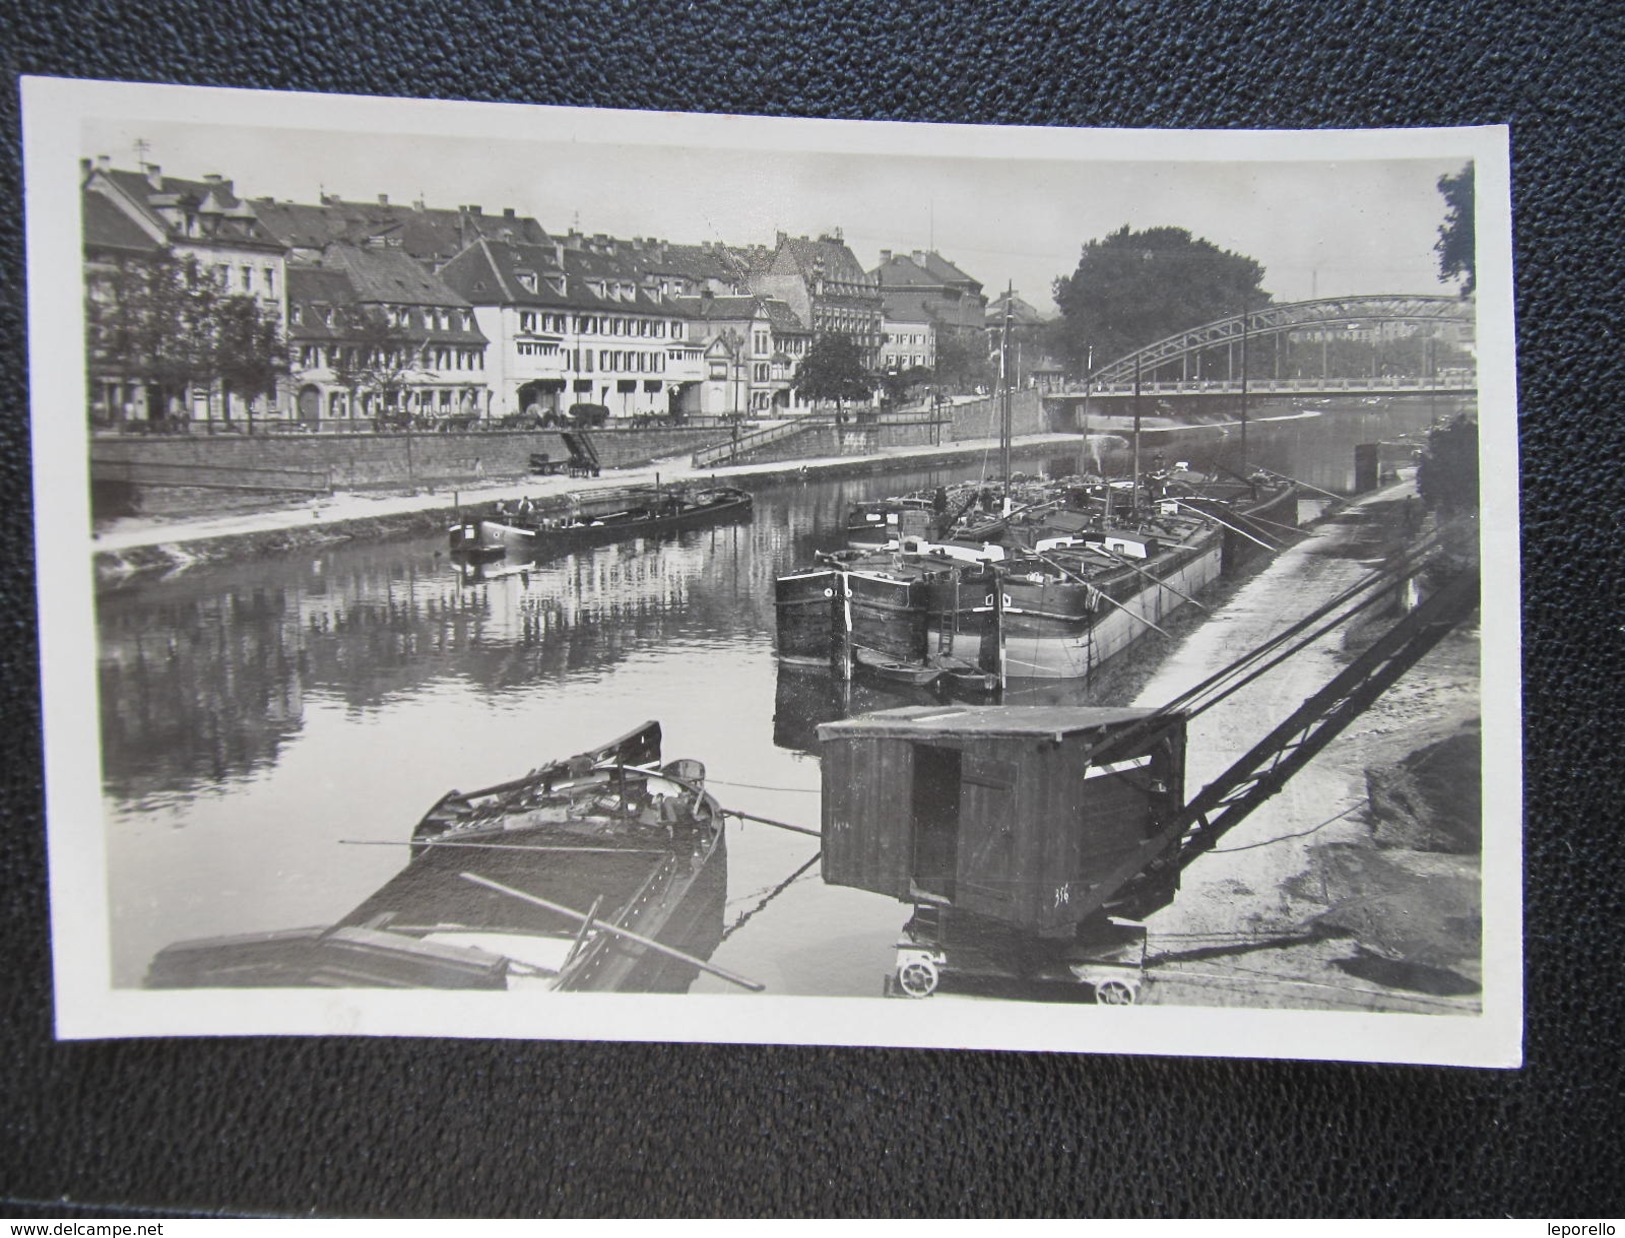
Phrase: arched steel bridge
[1284,319]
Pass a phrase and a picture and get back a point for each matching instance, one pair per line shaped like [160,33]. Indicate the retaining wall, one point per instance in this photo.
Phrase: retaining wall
[980,419]
[358,461]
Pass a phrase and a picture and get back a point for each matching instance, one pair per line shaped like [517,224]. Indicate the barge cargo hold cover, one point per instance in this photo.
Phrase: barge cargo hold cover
[998,811]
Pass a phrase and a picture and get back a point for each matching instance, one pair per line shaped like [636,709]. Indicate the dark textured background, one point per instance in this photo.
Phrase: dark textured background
[418,1127]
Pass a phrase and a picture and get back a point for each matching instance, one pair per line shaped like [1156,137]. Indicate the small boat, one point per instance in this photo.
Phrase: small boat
[591,518]
[894,669]
[605,872]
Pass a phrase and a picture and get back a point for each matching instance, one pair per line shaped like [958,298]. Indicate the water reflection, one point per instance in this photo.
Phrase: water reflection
[253,715]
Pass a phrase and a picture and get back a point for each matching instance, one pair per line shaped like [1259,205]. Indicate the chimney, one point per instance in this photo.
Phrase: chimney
[885,257]
[383,199]
[419,206]
[84,167]
[212,178]
[475,210]
[919,257]
[155,175]
[507,212]
[104,163]
[783,238]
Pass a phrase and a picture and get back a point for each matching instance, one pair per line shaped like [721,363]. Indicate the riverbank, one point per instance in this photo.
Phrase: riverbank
[132,545]
[1357,885]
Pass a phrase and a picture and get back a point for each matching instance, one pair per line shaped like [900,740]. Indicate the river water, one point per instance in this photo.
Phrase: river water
[260,720]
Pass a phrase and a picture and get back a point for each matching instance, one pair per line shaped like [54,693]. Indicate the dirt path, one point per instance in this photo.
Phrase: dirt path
[1406,921]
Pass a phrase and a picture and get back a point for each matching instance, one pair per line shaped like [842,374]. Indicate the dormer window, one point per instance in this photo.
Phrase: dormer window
[527,280]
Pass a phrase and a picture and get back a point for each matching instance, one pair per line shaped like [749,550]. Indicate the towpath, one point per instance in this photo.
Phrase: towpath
[132,533]
[1247,928]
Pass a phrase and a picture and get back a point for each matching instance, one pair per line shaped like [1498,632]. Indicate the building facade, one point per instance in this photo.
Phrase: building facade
[374,335]
[827,288]
[572,327]
[925,283]
[212,235]
[762,340]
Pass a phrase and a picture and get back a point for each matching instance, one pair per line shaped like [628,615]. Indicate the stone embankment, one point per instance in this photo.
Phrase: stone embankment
[1357,885]
[129,545]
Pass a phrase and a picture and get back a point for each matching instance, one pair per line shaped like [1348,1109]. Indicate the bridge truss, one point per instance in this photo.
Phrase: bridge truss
[1284,319]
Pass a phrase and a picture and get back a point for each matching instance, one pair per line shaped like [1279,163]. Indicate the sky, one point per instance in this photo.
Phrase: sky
[1319,228]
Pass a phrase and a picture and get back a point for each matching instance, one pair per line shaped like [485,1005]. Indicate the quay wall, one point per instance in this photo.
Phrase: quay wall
[980,418]
[363,460]
[359,461]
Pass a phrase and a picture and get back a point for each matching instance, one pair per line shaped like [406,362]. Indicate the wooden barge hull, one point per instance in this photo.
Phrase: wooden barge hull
[482,534]
[1063,630]
[1002,617]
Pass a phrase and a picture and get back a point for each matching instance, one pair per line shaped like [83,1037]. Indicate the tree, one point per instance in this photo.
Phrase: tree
[962,362]
[249,355]
[833,370]
[1134,288]
[163,321]
[1458,256]
[375,355]
[1447,477]
[896,384]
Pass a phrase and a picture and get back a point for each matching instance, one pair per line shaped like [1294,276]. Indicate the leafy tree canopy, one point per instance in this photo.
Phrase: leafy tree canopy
[1456,246]
[1134,288]
[833,370]
[166,321]
[962,361]
[375,355]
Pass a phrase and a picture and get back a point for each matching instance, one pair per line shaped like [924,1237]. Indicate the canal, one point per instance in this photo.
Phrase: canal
[262,722]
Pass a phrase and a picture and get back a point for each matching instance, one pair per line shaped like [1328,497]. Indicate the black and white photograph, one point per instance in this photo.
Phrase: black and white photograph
[550,573]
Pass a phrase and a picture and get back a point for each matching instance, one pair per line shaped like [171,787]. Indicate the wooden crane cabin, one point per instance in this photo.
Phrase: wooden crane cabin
[1000,810]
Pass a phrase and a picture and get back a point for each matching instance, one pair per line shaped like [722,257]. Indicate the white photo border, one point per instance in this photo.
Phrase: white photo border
[87,1006]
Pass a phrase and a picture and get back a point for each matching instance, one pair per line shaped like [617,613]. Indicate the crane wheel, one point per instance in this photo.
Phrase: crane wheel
[1116,993]
[918,977]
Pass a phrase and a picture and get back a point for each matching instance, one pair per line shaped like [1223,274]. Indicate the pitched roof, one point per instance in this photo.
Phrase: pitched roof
[925,268]
[783,317]
[107,227]
[390,277]
[350,276]
[427,233]
[719,309]
[212,198]
[497,273]
[826,256]
[1021,313]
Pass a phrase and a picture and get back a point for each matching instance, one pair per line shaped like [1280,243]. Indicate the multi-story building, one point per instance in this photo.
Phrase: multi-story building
[571,326]
[201,222]
[762,341]
[373,334]
[924,282]
[911,343]
[827,288]
[115,249]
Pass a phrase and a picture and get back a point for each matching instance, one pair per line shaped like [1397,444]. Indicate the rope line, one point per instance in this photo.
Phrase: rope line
[1270,842]
[757,786]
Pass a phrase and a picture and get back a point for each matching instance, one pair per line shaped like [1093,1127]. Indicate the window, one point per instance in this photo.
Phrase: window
[527,321]
[295,315]
[527,280]
[270,281]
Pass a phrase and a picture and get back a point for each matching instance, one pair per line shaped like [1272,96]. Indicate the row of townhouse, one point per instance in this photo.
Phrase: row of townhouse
[393,309]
